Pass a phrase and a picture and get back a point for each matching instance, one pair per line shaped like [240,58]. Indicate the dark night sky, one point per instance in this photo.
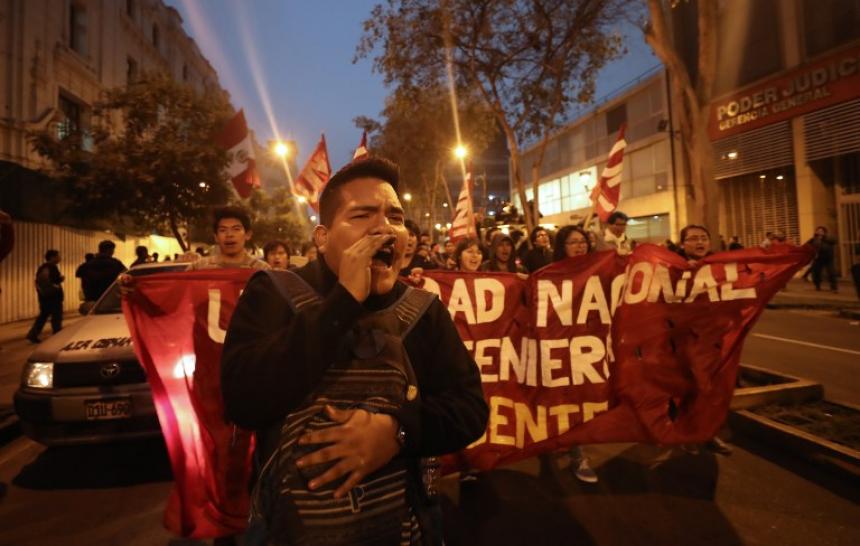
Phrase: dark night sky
[296,56]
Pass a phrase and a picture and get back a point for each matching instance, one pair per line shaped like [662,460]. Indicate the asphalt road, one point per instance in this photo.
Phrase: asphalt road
[115,494]
[815,345]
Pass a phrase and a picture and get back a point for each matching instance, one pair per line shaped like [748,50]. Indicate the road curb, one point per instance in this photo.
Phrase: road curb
[842,459]
[779,388]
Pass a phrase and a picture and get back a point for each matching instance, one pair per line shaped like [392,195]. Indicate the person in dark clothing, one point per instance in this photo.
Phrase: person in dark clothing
[735,244]
[825,247]
[99,273]
[49,287]
[274,358]
[142,254]
[502,256]
[540,253]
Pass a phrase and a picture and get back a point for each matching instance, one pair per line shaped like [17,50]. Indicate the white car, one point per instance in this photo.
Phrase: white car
[84,384]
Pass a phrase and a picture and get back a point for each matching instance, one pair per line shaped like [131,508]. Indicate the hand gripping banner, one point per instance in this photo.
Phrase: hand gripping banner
[598,348]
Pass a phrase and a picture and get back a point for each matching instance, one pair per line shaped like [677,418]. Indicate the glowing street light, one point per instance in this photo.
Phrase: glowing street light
[407,196]
[445,205]
[302,199]
[313,218]
[282,149]
[438,226]
[460,152]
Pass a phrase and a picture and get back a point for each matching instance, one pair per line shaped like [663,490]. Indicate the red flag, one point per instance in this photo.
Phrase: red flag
[242,170]
[464,217]
[314,175]
[607,193]
[361,152]
[178,323]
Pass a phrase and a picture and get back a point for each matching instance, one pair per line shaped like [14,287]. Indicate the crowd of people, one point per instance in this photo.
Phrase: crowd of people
[363,234]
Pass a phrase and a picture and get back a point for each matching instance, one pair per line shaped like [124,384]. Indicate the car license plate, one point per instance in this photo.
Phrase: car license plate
[117,408]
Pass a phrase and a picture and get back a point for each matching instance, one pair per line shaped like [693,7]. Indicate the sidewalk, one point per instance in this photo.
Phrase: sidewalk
[800,294]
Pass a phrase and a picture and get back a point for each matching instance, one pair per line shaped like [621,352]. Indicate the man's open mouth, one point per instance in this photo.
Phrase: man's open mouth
[383,257]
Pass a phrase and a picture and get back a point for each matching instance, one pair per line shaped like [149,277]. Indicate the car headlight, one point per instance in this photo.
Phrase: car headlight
[39,375]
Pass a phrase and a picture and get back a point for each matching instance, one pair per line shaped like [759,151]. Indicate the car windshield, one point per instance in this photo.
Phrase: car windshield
[111,302]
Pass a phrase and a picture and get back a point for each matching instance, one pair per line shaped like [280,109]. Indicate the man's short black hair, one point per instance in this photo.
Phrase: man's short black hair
[615,216]
[51,254]
[374,167]
[272,246]
[106,246]
[237,213]
[412,228]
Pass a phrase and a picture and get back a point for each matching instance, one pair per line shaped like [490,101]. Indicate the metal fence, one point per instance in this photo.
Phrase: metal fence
[17,272]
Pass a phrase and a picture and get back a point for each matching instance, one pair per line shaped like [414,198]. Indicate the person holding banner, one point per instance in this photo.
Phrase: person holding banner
[276,355]
[468,255]
[502,255]
[695,245]
[571,242]
[615,236]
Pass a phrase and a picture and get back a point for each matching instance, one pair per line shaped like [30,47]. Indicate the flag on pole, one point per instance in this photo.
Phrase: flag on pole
[361,152]
[464,217]
[607,192]
[314,175]
[242,170]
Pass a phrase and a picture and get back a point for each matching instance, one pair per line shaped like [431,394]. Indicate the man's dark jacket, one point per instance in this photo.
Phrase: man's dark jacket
[98,274]
[273,359]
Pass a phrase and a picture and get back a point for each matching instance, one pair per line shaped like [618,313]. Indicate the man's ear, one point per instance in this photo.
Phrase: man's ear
[248,235]
[320,237]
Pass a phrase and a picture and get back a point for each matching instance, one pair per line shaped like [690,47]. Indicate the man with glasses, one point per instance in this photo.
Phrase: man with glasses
[614,236]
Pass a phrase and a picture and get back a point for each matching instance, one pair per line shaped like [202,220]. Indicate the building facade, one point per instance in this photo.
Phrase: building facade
[57,56]
[785,126]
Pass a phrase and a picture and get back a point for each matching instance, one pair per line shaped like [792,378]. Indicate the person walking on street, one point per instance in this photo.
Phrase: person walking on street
[99,273]
[49,288]
[294,333]
[825,247]
[571,242]
[142,254]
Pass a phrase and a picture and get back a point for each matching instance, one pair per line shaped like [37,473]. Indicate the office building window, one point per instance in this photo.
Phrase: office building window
[615,118]
[829,23]
[130,71]
[71,117]
[78,28]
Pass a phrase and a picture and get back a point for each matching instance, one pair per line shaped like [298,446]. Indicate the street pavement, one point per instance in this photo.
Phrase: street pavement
[760,495]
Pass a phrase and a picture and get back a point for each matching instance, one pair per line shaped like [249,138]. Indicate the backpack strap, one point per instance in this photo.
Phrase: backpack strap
[294,289]
[411,307]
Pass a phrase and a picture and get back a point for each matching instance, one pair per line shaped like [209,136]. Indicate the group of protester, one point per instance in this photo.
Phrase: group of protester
[281,348]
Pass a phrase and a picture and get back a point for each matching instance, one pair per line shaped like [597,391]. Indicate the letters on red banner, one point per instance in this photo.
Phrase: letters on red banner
[599,348]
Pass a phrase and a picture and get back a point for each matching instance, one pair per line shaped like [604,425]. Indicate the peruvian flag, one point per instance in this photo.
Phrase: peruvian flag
[242,170]
[314,175]
[607,193]
[361,152]
[464,217]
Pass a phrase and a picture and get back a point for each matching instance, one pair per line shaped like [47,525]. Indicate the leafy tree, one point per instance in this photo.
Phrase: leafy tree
[529,60]
[418,132]
[274,218]
[692,88]
[148,161]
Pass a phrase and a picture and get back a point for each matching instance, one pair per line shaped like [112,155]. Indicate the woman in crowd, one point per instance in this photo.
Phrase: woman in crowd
[540,253]
[570,242]
[277,254]
[502,255]
[468,255]
[695,244]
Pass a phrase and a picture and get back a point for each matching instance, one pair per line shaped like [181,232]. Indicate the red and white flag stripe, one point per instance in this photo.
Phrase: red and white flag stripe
[361,152]
[607,193]
[463,225]
[242,170]
[314,175]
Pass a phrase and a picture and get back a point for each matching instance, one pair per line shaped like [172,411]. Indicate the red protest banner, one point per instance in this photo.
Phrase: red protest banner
[598,348]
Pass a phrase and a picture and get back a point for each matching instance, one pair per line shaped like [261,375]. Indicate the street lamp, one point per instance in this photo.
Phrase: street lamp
[282,149]
[302,199]
[313,218]
[407,197]
[445,205]
[460,152]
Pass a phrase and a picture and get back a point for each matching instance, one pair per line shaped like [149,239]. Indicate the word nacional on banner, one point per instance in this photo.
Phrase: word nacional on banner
[599,348]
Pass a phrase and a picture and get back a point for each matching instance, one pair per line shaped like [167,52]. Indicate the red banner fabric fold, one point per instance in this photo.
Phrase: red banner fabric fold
[598,348]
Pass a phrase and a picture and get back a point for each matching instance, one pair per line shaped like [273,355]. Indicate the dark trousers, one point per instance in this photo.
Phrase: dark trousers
[819,268]
[48,308]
